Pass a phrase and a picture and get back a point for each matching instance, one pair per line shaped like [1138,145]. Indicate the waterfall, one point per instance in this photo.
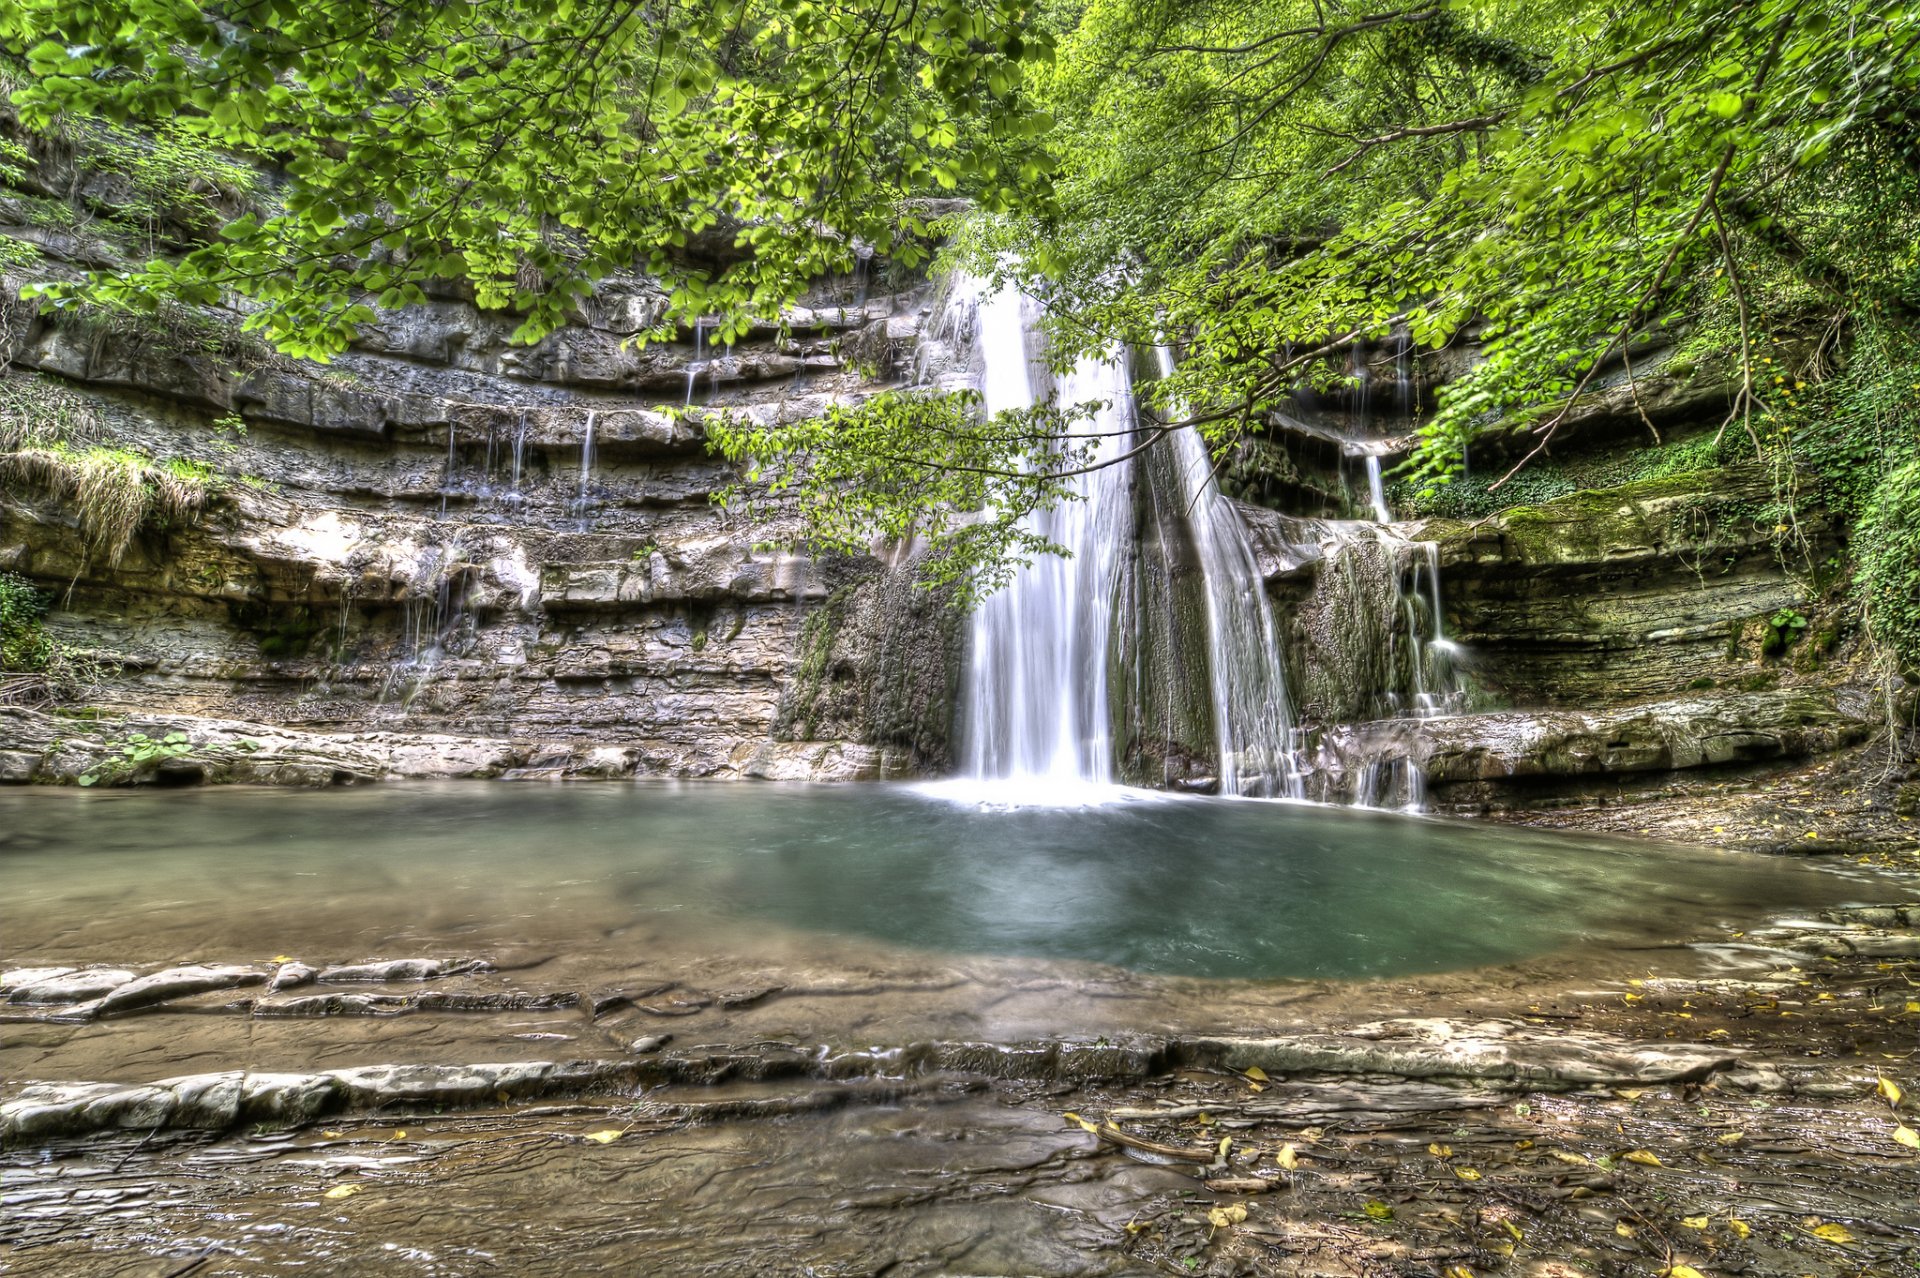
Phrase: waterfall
[447,475]
[1038,700]
[1253,722]
[583,505]
[694,365]
[1035,700]
[519,458]
[1377,490]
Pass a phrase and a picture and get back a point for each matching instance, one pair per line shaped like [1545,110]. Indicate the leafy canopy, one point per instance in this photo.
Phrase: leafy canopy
[530,147]
[1558,179]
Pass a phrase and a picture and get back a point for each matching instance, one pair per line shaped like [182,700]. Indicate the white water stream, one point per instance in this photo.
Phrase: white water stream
[1036,702]
[1036,695]
[1252,720]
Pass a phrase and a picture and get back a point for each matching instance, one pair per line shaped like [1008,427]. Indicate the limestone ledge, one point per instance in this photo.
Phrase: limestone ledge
[1473,755]
[1473,1057]
[46,749]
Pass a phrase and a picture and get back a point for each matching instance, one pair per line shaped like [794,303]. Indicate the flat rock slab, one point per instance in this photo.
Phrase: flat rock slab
[1483,1051]
[402,970]
[1480,1059]
[217,1102]
[176,982]
[61,984]
[337,1004]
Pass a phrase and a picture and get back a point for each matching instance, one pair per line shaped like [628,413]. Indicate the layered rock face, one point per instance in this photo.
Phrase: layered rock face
[448,554]
[445,533]
[1572,640]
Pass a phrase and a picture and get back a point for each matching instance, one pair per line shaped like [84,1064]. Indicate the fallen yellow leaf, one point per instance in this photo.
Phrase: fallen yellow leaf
[1257,1074]
[1458,1271]
[1905,1135]
[331,1135]
[1466,1173]
[606,1136]
[1739,1227]
[1288,1157]
[281,958]
[1085,1126]
[1440,1151]
[1644,1157]
[1731,1138]
[1514,1230]
[1623,1229]
[399,1134]
[1226,1217]
[1681,1271]
[1578,1160]
[1890,1090]
[1631,1093]
[1833,1233]
[344,1191]
[1694,1222]
[1377,1211]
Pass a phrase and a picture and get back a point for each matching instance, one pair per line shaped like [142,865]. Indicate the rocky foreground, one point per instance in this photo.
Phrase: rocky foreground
[1743,1113]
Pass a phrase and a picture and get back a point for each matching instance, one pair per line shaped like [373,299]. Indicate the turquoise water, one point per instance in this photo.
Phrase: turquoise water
[1191,886]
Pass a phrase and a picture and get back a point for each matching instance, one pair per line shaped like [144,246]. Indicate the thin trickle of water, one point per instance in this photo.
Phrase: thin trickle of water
[1377,490]
[446,476]
[486,469]
[519,457]
[1035,699]
[1253,720]
[583,505]
[693,367]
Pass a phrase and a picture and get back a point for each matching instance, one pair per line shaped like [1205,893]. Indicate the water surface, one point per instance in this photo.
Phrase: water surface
[1188,887]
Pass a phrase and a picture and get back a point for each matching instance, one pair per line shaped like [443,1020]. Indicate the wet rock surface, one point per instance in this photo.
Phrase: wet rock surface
[1731,1122]
[445,555]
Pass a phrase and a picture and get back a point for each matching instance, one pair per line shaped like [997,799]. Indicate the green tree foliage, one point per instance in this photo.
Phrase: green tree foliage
[1262,182]
[529,147]
[24,645]
[1267,182]
[912,464]
[1562,178]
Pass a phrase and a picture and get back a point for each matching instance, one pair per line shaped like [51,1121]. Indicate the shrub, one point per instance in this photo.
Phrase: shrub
[1888,547]
[24,645]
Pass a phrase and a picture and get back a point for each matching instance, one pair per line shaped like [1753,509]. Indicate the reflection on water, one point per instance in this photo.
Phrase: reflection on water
[1189,886]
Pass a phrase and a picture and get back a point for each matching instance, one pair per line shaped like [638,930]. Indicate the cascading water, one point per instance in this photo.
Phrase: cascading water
[1035,701]
[1253,721]
[1377,490]
[514,495]
[583,505]
[697,362]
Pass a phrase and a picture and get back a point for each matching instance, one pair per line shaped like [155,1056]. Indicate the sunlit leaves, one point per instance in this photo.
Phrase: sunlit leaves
[529,147]
[1538,175]
[910,464]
